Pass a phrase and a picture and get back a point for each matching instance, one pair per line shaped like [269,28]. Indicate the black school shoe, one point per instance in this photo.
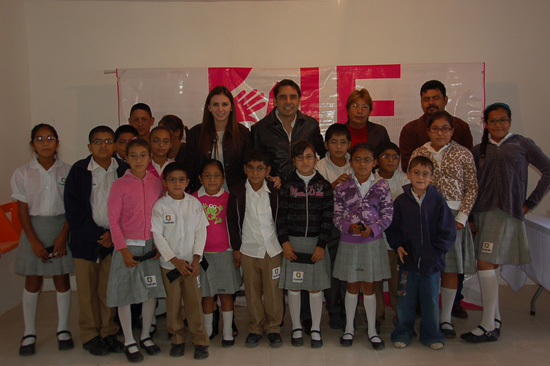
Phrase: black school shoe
[487,336]
[96,346]
[275,340]
[151,350]
[252,340]
[228,343]
[29,349]
[177,350]
[296,342]
[66,344]
[115,346]
[448,333]
[201,352]
[135,356]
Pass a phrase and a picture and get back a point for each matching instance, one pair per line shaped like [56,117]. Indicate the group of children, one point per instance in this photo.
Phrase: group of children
[136,235]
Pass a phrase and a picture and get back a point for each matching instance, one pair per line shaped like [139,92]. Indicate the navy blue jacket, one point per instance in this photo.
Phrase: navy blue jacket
[431,229]
[84,232]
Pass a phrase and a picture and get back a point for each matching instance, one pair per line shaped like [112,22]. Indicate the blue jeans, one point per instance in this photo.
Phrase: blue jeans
[414,287]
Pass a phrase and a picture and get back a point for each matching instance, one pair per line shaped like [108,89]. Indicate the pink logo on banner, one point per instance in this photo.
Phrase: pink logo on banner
[346,84]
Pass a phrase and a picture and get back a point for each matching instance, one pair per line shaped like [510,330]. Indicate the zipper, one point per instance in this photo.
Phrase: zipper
[144,205]
[421,237]
[307,212]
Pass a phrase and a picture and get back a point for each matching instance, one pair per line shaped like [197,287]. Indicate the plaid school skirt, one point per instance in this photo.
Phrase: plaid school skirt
[362,262]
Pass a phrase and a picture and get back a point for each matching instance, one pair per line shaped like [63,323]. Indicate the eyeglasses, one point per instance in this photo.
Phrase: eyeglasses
[366,160]
[502,121]
[442,129]
[389,156]
[134,156]
[160,141]
[42,139]
[213,176]
[101,142]
[174,180]
[304,157]
[357,106]
[418,173]
[251,169]
[122,142]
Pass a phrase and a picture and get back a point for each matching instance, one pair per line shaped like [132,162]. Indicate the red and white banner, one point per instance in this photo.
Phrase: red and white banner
[395,90]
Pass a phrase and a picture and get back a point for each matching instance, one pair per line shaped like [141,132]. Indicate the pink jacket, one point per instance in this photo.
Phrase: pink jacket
[130,204]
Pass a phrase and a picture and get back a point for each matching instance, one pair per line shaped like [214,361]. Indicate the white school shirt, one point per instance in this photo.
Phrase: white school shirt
[289,134]
[396,182]
[508,135]
[365,186]
[259,234]
[437,155]
[331,171]
[42,190]
[179,228]
[102,180]
[159,168]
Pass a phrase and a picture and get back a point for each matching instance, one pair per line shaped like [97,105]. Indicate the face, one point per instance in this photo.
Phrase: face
[176,135]
[139,159]
[305,163]
[359,112]
[432,101]
[498,124]
[287,101]
[440,133]
[160,143]
[176,182]
[102,146]
[256,171]
[388,161]
[337,146]
[44,143]
[220,107]
[122,142]
[420,177]
[212,179]
[362,163]
[142,122]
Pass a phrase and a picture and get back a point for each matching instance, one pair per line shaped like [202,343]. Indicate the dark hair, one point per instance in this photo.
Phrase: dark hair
[174,124]
[100,129]
[125,129]
[172,167]
[441,115]
[208,136]
[361,146]
[388,145]
[215,162]
[485,137]
[286,82]
[35,129]
[258,155]
[357,94]
[337,129]
[161,128]
[433,84]
[138,142]
[422,161]
[141,106]
[301,147]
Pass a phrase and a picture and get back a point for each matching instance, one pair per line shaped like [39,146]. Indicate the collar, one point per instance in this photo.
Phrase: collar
[202,192]
[278,119]
[93,165]
[264,187]
[370,180]
[327,157]
[428,145]
[34,164]
[508,135]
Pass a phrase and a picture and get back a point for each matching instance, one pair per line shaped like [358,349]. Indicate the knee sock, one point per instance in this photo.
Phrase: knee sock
[351,305]
[447,300]
[125,317]
[497,309]
[227,333]
[147,315]
[369,301]
[294,303]
[489,292]
[208,324]
[316,308]
[30,302]
[63,307]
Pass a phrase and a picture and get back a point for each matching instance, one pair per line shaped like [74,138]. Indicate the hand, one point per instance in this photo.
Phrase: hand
[39,250]
[401,252]
[474,229]
[106,240]
[163,194]
[181,265]
[318,254]
[128,258]
[237,258]
[366,232]
[158,253]
[355,229]
[525,210]
[195,266]
[60,246]
[339,180]
[459,226]
[288,251]
[248,104]
[275,180]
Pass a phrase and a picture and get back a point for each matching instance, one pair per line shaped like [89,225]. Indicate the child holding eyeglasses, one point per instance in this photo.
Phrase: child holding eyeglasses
[38,189]
[86,194]
[455,178]
[423,229]
[362,211]
[304,226]
[160,139]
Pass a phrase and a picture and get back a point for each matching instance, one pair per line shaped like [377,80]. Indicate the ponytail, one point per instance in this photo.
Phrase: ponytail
[484,142]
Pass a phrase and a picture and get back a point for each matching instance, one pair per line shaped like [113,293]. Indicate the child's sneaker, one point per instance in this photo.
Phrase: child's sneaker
[399,344]
[436,346]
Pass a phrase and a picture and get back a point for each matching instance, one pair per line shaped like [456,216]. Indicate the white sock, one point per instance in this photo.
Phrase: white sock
[316,308]
[63,307]
[227,325]
[294,310]
[351,305]
[125,317]
[30,302]
[489,292]
[154,320]
[208,324]
[147,315]
[369,301]
[497,309]
[447,300]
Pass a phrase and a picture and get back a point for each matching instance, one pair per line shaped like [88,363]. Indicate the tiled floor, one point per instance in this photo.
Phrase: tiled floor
[525,340]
